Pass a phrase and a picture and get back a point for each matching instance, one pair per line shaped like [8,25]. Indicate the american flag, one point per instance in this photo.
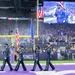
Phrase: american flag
[17,38]
[61,3]
[40,12]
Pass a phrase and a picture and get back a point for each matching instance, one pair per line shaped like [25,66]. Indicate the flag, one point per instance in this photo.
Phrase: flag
[40,12]
[32,34]
[32,31]
[17,38]
[61,4]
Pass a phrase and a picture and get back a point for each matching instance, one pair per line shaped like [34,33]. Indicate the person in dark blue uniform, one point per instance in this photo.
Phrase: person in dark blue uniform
[48,57]
[36,59]
[20,59]
[6,58]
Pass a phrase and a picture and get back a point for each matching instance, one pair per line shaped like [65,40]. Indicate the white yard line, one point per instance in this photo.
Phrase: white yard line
[45,64]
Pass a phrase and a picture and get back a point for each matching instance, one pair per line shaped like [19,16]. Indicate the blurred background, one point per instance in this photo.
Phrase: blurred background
[61,34]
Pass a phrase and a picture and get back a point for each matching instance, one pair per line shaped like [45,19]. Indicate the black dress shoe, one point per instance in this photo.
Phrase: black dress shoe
[15,70]
[1,70]
[45,70]
[25,70]
[53,69]
[11,69]
[32,70]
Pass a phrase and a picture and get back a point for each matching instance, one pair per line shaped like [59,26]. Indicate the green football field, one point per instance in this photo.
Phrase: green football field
[53,61]
[43,62]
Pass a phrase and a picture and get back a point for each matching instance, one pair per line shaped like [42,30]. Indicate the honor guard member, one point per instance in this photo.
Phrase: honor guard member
[6,58]
[20,59]
[48,57]
[36,59]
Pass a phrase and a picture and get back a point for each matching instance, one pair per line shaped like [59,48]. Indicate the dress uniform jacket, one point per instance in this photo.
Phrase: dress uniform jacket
[6,54]
[36,60]
[20,61]
[48,57]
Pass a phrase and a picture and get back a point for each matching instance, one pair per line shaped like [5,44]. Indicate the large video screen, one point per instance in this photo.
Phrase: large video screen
[59,12]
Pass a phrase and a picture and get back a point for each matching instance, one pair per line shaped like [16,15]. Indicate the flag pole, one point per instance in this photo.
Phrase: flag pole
[37,19]
[37,23]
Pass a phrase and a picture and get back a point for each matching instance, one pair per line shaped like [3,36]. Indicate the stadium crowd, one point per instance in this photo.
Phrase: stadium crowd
[56,34]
